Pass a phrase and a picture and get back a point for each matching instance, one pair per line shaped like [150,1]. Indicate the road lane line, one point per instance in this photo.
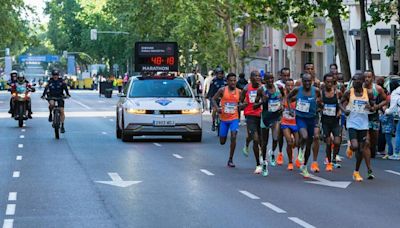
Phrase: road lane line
[12,196]
[104,133]
[19,158]
[10,209]
[16,174]
[81,104]
[20,145]
[177,156]
[23,130]
[157,144]
[111,120]
[208,173]
[22,136]
[301,222]
[8,223]
[250,195]
[273,207]
[392,172]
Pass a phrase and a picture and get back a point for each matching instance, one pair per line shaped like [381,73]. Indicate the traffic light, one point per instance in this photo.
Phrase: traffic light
[93,34]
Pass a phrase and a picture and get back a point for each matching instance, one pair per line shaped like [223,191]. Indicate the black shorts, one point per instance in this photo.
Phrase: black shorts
[331,128]
[360,135]
[60,103]
[253,125]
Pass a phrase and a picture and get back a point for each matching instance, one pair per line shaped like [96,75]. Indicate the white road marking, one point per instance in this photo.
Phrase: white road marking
[273,207]
[23,130]
[301,222]
[157,144]
[12,196]
[207,172]
[177,156]
[16,174]
[10,209]
[8,223]
[19,158]
[81,104]
[250,195]
[22,136]
[24,125]
[20,145]
[104,133]
[392,172]
[118,181]
[111,120]
[101,101]
[73,114]
[325,182]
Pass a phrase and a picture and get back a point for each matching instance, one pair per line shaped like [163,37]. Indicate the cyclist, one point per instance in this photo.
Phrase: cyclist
[217,83]
[55,89]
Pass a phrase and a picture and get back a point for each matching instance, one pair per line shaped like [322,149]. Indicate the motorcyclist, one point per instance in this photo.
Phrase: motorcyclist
[218,82]
[55,89]
[22,82]
[10,83]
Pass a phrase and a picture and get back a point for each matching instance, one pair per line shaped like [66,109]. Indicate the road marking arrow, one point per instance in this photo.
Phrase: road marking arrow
[325,182]
[117,181]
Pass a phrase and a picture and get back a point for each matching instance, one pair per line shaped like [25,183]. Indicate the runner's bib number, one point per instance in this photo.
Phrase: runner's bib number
[329,110]
[274,105]
[303,106]
[230,108]
[359,106]
[252,96]
[286,115]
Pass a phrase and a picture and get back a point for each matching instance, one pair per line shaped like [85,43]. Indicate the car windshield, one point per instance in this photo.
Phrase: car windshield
[159,88]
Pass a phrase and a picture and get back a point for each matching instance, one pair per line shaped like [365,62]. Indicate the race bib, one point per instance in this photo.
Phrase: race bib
[286,115]
[359,106]
[303,106]
[230,108]
[273,105]
[329,110]
[252,96]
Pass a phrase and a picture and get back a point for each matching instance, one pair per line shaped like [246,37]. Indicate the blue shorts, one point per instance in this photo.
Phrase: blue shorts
[292,128]
[225,126]
[307,123]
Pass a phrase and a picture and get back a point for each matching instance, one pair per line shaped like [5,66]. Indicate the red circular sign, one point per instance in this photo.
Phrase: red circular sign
[290,39]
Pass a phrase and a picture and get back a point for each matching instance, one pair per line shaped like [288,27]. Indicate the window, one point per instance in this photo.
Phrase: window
[160,88]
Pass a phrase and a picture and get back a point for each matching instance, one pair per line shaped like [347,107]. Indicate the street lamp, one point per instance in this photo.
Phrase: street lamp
[290,51]
[239,34]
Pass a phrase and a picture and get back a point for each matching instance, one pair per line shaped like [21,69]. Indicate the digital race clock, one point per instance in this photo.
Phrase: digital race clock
[156,56]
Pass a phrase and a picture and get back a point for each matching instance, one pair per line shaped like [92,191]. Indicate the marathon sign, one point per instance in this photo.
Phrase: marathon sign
[156,56]
[38,58]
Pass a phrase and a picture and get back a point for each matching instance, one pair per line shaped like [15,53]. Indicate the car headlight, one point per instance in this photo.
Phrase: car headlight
[136,111]
[191,111]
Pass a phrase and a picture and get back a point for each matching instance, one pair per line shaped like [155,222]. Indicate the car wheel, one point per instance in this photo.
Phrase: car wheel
[192,138]
[126,137]
[118,131]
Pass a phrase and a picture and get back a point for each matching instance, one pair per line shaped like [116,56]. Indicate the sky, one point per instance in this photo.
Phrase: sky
[38,5]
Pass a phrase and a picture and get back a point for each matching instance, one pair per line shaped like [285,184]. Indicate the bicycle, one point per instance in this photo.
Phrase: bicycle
[56,124]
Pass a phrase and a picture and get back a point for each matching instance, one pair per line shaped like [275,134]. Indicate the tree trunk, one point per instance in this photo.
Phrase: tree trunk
[365,37]
[233,57]
[341,45]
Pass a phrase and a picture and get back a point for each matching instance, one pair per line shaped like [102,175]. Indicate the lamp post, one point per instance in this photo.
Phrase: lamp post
[290,51]
[239,61]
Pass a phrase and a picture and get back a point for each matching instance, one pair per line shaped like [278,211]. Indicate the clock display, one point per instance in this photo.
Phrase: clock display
[156,56]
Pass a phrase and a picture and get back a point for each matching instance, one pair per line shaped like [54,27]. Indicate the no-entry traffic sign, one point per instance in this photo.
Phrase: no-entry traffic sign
[290,39]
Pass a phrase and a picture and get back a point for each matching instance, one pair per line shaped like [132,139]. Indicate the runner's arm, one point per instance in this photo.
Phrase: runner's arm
[383,95]
[291,95]
[344,102]
[216,96]
[372,106]
[258,102]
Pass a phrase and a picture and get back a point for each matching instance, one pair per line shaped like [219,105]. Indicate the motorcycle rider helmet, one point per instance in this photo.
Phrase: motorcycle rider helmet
[20,78]
[14,73]
[219,70]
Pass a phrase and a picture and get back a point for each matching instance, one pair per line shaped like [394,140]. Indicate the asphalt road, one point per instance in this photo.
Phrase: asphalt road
[50,183]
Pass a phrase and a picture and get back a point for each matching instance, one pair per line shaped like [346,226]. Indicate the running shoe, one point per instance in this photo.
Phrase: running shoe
[357,177]
[337,165]
[290,166]
[279,159]
[304,172]
[349,152]
[298,163]
[329,167]
[370,175]
[385,157]
[394,157]
[258,169]
[272,158]
[338,158]
[231,164]
[326,161]
[265,169]
[213,127]
[245,151]
[300,156]
[315,167]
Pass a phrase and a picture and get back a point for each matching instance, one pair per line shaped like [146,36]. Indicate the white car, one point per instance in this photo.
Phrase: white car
[159,106]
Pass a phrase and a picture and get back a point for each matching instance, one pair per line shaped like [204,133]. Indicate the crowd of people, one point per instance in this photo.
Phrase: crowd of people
[302,113]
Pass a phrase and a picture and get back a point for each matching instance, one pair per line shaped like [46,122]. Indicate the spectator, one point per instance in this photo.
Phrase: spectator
[394,109]
[387,123]
[206,88]
[242,82]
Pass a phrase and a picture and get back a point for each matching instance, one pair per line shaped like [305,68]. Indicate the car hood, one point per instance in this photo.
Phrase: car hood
[162,103]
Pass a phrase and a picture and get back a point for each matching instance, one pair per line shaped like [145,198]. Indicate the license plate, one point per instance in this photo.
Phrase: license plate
[163,123]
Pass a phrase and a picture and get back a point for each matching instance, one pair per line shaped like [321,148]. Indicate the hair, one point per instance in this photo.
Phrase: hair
[268,74]
[327,76]
[253,73]
[285,69]
[308,63]
[304,74]
[369,71]
[290,80]
[230,75]
[333,64]
[242,75]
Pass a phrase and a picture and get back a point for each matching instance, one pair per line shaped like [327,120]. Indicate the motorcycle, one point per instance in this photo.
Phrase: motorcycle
[20,99]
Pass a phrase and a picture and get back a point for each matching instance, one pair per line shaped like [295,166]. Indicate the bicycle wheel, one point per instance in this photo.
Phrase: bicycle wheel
[56,123]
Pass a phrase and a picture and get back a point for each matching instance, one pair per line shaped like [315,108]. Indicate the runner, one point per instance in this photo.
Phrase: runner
[373,118]
[229,96]
[330,121]
[356,103]
[270,97]
[307,97]
[288,125]
[253,117]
